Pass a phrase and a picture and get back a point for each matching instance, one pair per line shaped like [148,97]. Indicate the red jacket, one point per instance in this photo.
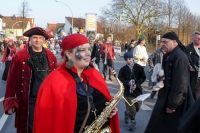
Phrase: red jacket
[5,53]
[55,110]
[110,48]
[18,87]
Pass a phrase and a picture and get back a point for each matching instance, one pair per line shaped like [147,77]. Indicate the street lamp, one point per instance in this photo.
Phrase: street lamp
[69,9]
[14,25]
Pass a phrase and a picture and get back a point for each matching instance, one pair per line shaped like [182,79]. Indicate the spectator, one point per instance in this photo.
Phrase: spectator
[140,53]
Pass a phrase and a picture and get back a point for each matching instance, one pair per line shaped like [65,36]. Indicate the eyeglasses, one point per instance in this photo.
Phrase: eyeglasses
[164,42]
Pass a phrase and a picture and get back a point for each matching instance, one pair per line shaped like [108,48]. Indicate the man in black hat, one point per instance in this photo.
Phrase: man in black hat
[175,97]
[132,76]
[28,69]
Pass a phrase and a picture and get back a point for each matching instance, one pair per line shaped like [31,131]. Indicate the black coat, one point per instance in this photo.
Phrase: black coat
[95,53]
[124,76]
[195,59]
[190,122]
[175,94]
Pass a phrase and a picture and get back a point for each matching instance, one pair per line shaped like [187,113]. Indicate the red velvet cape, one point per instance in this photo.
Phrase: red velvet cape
[56,105]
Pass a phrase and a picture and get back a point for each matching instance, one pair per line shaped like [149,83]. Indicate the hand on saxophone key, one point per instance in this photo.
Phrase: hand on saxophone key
[114,111]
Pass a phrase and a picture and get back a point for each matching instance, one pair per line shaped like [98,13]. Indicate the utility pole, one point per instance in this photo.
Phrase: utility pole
[157,33]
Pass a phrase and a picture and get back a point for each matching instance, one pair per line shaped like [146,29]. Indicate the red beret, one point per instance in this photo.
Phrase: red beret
[10,40]
[36,31]
[72,41]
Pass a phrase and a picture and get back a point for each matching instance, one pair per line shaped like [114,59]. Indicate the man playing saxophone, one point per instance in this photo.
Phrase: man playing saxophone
[132,76]
[108,54]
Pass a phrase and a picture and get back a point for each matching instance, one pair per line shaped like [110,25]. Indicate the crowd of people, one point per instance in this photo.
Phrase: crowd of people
[79,90]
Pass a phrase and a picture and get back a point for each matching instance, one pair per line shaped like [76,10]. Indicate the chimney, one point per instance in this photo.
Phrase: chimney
[14,17]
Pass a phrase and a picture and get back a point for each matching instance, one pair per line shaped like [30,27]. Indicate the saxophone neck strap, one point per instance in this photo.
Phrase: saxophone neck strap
[87,91]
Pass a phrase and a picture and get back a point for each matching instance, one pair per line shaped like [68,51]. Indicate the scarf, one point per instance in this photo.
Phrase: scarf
[39,64]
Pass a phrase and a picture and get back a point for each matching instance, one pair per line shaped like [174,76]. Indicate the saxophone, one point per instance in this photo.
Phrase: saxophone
[95,127]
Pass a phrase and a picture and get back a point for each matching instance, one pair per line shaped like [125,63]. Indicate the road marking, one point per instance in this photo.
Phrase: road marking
[109,82]
[2,99]
[143,106]
[3,120]
[2,66]
[116,88]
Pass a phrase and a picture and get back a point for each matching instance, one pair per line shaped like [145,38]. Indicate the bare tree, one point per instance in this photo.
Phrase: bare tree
[170,12]
[140,18]
[24,10]
[134,12]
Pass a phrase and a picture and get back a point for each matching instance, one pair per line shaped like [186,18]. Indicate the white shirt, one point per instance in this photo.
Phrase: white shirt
[140,52]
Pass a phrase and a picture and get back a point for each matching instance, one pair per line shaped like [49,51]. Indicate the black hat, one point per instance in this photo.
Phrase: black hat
[140,40]
[36,31]
[128,55]
[171,35]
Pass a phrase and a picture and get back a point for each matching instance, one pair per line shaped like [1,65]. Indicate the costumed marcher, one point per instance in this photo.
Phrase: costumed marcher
[5,42]
[126,47]
[194,53]
[78,90]
[175,98]
[28,69]
[190,122]
[95,55]
[132,76]
[1,47]
[108,54]
[154,58]
[4,45]
[24,44]
[57,47]
[140,53]
[131,45]
[8,54]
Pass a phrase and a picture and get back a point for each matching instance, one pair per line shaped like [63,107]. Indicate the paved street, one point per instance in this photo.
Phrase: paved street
[7,123]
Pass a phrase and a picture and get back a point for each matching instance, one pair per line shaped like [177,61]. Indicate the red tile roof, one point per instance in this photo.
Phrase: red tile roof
[11,20]
[51,26]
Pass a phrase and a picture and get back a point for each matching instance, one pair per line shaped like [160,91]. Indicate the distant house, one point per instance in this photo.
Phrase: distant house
[16,26]
[57,29]
[2,31]
[79,24]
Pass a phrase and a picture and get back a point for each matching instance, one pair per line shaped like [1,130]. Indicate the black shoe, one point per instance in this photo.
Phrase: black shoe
[110,79]
[126,119]
[152,94]
[132,125]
